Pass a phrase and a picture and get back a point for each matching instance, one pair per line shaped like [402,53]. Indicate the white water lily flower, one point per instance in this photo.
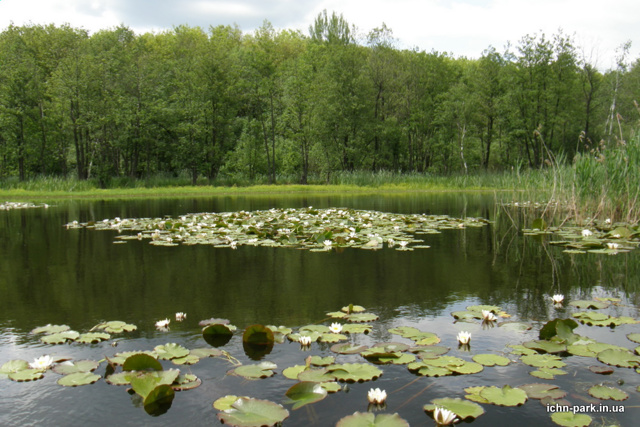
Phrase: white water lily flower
[443,417]
[336,328]
[464,337]
[607,221]
[377,396]
[391,242]
[304,340]
[403,243]
[488,316]
[180,316]
[612,245]
[162,324]
[557,298]
[233,244]
[327,243]
[587,233]
[42,363]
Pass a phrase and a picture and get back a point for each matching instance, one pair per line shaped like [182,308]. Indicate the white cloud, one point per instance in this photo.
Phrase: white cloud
[461,27]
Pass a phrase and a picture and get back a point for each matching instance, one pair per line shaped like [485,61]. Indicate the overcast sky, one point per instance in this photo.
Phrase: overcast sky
[461,27]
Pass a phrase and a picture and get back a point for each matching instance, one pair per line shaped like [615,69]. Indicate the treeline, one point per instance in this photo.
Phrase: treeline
[218,102]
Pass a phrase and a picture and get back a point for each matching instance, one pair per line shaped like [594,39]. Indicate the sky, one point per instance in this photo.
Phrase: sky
[460,27]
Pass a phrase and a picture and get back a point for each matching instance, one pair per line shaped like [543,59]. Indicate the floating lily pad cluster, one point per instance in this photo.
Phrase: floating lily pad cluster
[7,206]
[306,228]
[600,238]
[60,334]
[318,376]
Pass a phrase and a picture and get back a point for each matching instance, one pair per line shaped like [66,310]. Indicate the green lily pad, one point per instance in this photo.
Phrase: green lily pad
[430,351]
[620,358]
[119,358]
[280,329]
[356,328]
[558,327]
[14,366]
[602,370]
[429,370]
[518,349]
[316,375]
[258,335]
[26,375]
[248,412]
[78,378]
[292,372]
[466,315]
[67,368]
[141,362]
[491,360]
[254,372]
[583,304]
[145,383]
[352,372]
[515,326]
[331,387]
[543,361]
[353,309]
[546,346]
[50,329]
[60,337]
[337,314]
[603,392]
[320,329]
[332,338]
[115,327]
[348,348]
[541,391]
[547,373]
[480,308]
[569,419]
[186,382]
[189,359]
[473,394]
[121,378]
[505,396]
[368,419]
[224,403]
[361,317]
[462,408]
[466,368]
[322,361]
[635,337]
[93,337]
[170,351]
[304,393]
[205,352]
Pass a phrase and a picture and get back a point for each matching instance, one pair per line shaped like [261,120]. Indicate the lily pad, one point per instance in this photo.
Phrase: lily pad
[635,337]
[67,368]
[292,372]
[78,378]
[60,337]
[352,372]
[258,335]
[521,350]
[356,329]
[368,419]
[254,372]
[569,419]
[558,327]
[505,396]
[602,370]
[189,359]
[50,329]
[462,408]
[351,308]
[224,403]
[141,362]
[491,360]
[620,358]
[170,351]
[121,378]
[304,393]
[205,352]
[115,327]
[540,391]
[144,384]
[603,392]
[583,304]
[543,361]
[361,317]
[348,348]
[547,373]
[316,375]
[322,361]
[248,412]
[14,366]
[26,375]
[93,337]
[546,346]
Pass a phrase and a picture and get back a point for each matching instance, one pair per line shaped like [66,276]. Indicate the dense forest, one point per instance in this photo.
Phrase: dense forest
[219,102]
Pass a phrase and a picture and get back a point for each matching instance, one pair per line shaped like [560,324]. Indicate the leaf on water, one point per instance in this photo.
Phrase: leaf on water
[26,375]
[170,351]
[304,393]
[505,396]
[541,391]
[248,412]
[356,329]
[583,304]
[115,327]
[292,372]
[547,373]
[362,419]
[603,392]
[620,358]
[491,360]
[93,337]
[186,382]
[569,419]
[635,337]
[543,361]
[14,366]
[546,346]
[462,408]
[141,362]
[78,378]
[75,367]
[322,361]
[361,317]
[352,372]
[60,337]
[254,372]
[50,329]
[348,348]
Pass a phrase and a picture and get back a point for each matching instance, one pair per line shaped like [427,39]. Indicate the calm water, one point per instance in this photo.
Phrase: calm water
[49,274]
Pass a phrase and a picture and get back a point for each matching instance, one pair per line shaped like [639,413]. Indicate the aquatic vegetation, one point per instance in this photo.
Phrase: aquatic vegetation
[377,396]
[443,417]
[307,228]
[42,363]
[251,412]
[370,419]
[464,337]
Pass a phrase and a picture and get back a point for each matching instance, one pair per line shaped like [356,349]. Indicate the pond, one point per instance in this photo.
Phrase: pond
[80,277]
